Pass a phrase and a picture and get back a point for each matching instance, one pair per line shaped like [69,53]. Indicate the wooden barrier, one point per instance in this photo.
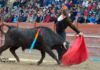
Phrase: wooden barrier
[93,29]
[85,28]
[30,25]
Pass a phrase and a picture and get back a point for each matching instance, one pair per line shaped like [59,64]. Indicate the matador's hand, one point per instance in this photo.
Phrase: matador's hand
[80,34]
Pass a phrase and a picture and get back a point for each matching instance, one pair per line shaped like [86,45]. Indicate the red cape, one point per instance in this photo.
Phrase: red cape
[77,53]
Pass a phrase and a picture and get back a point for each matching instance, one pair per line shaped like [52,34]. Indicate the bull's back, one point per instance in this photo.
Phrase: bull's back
[50,37]
[21,36]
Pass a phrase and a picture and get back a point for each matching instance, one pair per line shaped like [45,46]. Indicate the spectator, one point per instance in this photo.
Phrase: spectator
[22,18]
[15,18]
[39,16]
[85,3]
[86,14]
[47,18]
[98,21]
[3,3]
[16,4]
[92,19]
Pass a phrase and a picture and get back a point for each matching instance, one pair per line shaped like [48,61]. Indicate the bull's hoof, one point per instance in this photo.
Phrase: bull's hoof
[58,62]
[39,62]
[18,61]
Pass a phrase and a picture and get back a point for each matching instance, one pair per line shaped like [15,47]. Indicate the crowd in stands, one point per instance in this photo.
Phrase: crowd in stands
[3,3]
[82,11]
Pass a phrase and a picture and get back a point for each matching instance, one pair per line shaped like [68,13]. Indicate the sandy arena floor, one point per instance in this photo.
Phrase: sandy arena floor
[48,64]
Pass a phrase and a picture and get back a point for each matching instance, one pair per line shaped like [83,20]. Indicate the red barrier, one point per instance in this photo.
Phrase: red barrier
[30,25]
[85,28]
[93,29]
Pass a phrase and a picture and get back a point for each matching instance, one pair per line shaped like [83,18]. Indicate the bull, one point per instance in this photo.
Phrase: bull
[46,42]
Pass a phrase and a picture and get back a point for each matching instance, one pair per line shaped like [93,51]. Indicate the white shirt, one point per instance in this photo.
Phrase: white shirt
[60,18]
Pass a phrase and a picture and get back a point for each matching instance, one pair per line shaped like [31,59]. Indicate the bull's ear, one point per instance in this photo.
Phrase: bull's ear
[5,29]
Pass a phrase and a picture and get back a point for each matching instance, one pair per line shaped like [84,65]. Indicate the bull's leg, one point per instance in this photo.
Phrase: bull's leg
[49,51]
[12,50]
[3,48]
[59,52]
[42,57]
[61,49]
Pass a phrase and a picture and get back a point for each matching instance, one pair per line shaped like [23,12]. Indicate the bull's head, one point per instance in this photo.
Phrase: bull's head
[3,28]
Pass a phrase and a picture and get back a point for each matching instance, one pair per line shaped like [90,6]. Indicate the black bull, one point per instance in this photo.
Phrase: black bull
[47,40]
